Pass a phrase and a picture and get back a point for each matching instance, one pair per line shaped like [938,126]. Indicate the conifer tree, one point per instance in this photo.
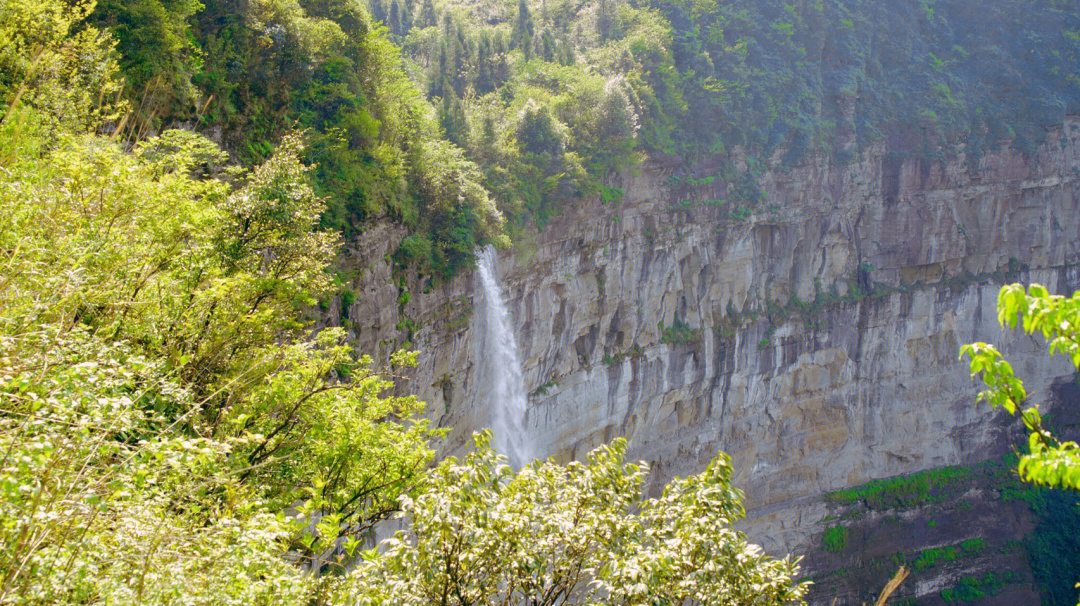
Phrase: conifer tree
[485,82]
[378,11]
[452,118]
[500,68]
[547,46]
[426,17]
[406,16]
[439,79]
[605,18]
[566,53]
[523,29]
[394,19]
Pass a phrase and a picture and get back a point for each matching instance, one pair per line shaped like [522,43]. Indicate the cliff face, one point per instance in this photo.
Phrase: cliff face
[813,336]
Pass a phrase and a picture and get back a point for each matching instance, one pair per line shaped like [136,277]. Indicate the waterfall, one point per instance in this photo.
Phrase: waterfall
[502,388]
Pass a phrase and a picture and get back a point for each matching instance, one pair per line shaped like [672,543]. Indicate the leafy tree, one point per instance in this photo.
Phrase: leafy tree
[327,67]
[581,534]
[538,133]
[162,401]
[459,209]
[1050,461]
[103,501]
[618,127]
[157,52]
[52,63]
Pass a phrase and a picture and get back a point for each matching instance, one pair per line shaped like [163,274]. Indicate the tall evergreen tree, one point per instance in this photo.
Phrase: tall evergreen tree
[547,46]
[426,17]
[394,19]
[566,53]
[523,29]
[500,68]
[441,74]
[605,18]
[406,16]
[454,65]
[378,11]
[452,118]
[485,82]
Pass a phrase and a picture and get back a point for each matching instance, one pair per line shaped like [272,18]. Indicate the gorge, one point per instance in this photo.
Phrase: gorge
[814,338]
[545,302]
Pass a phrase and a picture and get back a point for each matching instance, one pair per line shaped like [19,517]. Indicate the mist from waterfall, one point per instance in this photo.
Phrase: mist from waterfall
[502,387]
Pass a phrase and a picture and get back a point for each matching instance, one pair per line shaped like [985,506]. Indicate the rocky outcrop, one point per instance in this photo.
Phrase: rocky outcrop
[813,335]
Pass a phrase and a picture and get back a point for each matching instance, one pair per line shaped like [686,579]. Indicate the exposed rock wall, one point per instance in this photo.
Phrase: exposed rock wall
[816,333]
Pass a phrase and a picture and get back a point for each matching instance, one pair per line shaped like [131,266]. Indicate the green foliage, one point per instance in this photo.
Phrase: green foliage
[741,214]
[348,297]
[679,333]
[1057,318]
[552,102]
[176,431]
[456,211]
[602,542]
[828,77]
[611,194]
[522,38]
[256,70]
[543,389]
[158,54]
[52,63]
[835,538]
[414,249]
[903,491]
[164,400]
[633,353]
[971,589]
[972,547]
[1055,543]
[932,557]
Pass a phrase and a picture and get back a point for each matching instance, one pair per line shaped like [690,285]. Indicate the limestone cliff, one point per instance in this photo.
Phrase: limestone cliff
[813,336]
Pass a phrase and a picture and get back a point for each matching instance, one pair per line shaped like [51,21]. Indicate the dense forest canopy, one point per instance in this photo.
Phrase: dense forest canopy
[549,101]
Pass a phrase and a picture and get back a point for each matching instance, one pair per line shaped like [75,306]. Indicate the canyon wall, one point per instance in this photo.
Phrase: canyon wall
[813,335]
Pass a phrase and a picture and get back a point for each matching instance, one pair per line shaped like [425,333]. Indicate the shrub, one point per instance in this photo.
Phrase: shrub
[835,538]
[414,249]
[679,333]
[930,557]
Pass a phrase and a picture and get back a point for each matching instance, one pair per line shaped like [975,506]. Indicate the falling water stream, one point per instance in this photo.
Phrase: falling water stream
[502,388]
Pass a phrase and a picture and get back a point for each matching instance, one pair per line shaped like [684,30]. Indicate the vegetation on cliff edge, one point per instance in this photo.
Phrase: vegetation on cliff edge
[174,429]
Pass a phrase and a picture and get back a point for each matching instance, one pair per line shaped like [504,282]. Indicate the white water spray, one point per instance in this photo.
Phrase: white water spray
[501,385]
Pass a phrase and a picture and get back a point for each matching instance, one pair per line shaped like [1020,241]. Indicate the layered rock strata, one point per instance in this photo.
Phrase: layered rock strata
[812,335]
